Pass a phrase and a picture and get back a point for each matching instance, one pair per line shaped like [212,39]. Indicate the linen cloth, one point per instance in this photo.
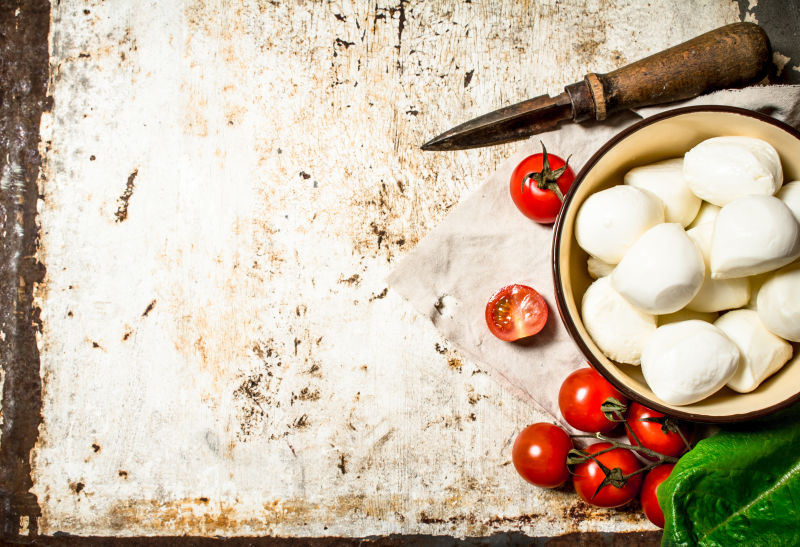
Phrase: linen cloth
[485,243]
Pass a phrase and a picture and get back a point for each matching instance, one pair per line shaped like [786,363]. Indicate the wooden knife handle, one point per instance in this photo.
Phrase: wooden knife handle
[732,56]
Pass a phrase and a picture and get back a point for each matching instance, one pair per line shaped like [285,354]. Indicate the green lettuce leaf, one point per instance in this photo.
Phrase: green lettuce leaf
[739,486]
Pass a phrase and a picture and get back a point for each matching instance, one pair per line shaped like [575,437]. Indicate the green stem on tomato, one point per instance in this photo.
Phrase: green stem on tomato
[647,467]
[612,409]
[660,458]
[596,453]
[633,434]
[553,187]
[547,179]
[683,438]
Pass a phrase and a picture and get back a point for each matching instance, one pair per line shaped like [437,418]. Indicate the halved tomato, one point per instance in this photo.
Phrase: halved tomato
[516,311]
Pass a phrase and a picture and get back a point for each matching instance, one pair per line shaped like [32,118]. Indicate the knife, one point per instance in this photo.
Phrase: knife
[731,56]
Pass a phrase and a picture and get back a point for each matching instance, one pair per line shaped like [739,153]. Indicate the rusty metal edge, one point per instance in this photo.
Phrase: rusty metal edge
[24,58]
[605,539]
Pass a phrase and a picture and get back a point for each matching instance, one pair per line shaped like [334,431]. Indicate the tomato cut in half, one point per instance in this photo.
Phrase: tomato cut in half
[516,311]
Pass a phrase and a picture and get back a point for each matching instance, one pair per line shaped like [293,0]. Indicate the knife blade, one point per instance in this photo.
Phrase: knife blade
[735,55]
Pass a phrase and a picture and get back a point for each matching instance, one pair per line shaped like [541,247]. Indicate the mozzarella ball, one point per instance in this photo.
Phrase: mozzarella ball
[610,221]
[597,268]
[716,294]
[662,272]
[723,169]
[755,286]
[790,195]
[778,302]
[686,362]
[665,180]
[708,213]
[685,315]
[761,352]
[753,235]
[618,329]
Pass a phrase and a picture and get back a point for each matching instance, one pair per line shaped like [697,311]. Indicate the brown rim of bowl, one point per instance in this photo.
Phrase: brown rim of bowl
[559,293]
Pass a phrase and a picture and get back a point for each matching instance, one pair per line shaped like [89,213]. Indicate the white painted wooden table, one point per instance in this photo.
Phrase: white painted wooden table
[226,186]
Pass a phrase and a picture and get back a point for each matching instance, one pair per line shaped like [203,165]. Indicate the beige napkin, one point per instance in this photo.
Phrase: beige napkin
[485,244]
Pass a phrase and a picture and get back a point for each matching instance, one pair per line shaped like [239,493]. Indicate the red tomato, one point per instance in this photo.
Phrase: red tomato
[589,476]
[652,510]
[660,437]
[540,454]
[533,183]
[580,398]
[516,311]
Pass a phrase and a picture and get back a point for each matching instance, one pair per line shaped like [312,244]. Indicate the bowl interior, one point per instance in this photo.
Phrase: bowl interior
[655,139]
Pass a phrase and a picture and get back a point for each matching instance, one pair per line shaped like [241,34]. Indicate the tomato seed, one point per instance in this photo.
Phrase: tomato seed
[502,313]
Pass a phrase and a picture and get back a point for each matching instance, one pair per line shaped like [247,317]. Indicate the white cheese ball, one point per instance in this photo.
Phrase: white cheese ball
[778,302]
[790,195]
[662,272]
[685,315]
[716,294]
[665,180]
[597,268]
[686,362]
[723,169]
[618,329]
[762,353]
[708,213]
[753,235]
[755,285]
[610,221]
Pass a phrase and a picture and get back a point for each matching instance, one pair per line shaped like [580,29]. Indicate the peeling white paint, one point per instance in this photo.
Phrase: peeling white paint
[780,60]
[226,359]
[24,523]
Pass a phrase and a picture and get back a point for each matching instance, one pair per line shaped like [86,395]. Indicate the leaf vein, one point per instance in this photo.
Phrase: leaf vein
[766,493]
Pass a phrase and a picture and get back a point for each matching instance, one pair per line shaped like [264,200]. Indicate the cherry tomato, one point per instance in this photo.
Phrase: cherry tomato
[533,183]
[580,398]
[516,311]
[652,510]
[540,454]
[589,476]
[661,436]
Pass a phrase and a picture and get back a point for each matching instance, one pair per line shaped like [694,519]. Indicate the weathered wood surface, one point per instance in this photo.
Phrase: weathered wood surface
[226,185]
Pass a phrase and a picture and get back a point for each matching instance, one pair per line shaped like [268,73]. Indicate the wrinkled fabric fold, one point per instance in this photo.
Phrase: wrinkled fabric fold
[485,244]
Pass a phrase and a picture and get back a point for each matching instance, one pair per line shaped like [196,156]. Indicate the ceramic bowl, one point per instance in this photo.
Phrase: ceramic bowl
[660,137]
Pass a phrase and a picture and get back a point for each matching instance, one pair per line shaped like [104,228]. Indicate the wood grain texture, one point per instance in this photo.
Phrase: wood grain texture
[732,56]
[225,358]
